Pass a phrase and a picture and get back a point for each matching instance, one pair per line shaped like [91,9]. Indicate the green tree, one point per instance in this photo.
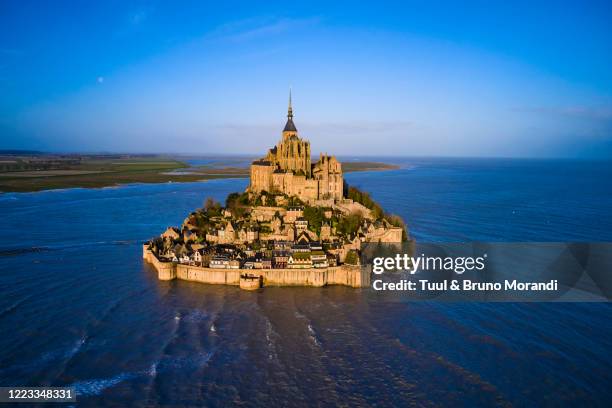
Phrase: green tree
[349,224]
[232,200]
[352,258]
[212,207]
[294,201]
[366,200]
[397,221]
[314,216]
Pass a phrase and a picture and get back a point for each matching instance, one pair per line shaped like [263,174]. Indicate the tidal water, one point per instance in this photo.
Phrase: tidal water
[78,307]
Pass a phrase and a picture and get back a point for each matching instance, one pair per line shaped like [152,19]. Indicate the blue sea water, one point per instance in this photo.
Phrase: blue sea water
[78,306]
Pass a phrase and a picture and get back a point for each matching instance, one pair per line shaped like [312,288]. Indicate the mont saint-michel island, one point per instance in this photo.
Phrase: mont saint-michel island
[297,224]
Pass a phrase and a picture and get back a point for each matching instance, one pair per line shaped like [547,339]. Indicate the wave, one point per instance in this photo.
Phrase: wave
[271,334]
[196,316]
[153,369]
[37,249]
[313,335]
[11,308]
[90,333]
[65,353]
[76,348]
[196,361]
[96,386]
[48,359]
[6,197]
[23,250]
[311,331]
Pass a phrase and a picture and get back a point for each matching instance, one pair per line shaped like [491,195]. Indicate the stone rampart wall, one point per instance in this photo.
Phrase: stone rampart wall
[389,235]
[338,275]
[208,275]
[165,270]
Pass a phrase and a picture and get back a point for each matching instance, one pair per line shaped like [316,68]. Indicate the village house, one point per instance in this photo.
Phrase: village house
[299,260]
[189,235]
[171,233]
[280,258]
[266,263]
[219,262]
[300,247]
[293,213]
[315,246]
[196,258]
[301,225]
[326,232]
[282,245]
[319,259]
[332,260]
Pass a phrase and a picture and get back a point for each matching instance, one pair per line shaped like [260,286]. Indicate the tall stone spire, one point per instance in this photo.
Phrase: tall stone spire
[290,110]
[289,126]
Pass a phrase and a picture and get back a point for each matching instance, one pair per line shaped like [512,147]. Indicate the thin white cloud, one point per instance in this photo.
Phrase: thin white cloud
[577,111]
[253,28]
[133,21]
[139,16]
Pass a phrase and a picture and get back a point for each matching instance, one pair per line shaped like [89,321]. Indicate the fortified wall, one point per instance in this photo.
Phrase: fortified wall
[347,275]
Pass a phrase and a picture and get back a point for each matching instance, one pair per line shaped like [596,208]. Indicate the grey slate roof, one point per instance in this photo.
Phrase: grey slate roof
[289,126]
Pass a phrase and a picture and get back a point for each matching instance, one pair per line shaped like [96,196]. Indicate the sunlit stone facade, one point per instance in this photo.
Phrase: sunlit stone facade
[287,169]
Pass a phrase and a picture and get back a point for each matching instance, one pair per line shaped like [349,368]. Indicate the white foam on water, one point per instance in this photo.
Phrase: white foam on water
[313,335]
[311,332]
[196,316]
[7,197]
[76,348]
[96,386]
[203,359]
[197,361]
[270,334]
[11,308]
[184,362]
[153,369]
[64,353]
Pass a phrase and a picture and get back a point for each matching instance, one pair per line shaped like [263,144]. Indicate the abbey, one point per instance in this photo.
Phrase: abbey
[265,236]
[287,169]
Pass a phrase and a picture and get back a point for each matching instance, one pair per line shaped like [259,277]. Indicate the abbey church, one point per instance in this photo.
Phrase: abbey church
[287,169]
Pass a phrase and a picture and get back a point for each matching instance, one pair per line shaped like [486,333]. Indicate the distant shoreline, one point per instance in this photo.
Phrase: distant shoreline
[51,172]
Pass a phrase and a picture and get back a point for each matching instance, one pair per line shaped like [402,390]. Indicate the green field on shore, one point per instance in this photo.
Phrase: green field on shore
[47,172]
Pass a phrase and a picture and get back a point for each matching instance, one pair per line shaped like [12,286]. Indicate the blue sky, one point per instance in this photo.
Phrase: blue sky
[512,79]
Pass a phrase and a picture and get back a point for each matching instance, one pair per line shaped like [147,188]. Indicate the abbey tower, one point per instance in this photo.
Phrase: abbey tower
[287,169]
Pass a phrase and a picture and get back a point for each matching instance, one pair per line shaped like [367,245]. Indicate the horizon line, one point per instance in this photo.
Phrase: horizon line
[17,152]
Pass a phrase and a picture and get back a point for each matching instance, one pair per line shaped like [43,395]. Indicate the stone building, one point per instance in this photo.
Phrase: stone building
[287,169]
